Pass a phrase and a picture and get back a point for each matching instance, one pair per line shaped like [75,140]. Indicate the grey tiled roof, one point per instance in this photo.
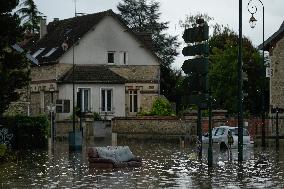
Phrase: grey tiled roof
[72,29]
[92,74]
[273,39]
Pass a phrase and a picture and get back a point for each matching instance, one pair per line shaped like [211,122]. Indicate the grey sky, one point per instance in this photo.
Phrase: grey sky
[224,12]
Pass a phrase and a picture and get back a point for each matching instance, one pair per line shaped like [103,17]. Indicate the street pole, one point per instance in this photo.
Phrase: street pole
[210,154]
[253,10]
[277,129]
[73,87]
[263,74]
[199,133]
[240,88]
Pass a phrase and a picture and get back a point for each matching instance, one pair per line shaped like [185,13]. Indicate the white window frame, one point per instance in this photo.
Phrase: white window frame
[105,103]
[113,52]
[131,101]
[82,98]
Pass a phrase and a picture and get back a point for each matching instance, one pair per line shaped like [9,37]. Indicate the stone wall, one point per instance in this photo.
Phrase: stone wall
[277,80]
[152,125]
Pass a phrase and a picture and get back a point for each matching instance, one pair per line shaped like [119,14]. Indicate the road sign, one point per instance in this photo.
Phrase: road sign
[199,49]
[196,66]
[196,34]
[196,83]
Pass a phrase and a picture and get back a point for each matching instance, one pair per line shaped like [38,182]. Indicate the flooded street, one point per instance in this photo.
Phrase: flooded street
[165,165]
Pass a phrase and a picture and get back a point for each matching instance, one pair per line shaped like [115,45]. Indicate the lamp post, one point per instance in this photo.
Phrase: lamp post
[240,87]
[253,9]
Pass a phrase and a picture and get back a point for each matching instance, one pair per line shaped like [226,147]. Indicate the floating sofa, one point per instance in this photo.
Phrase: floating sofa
[112,157]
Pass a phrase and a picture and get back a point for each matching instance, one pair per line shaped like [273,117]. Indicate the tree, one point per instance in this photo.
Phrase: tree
[223,73]
[13,65]
[29,15]
[142,16]
[223,48]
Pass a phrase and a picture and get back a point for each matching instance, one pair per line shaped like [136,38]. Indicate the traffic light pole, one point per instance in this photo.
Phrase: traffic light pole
[210,153]
[199,133]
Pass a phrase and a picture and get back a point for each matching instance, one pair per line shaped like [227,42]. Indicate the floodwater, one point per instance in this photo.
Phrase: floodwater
[165,165]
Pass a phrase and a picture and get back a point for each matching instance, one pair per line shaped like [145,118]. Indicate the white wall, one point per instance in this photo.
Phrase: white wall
[65,93]
[109,35]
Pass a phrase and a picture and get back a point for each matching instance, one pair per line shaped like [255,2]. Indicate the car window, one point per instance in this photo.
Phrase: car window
[219,132]
[235,132]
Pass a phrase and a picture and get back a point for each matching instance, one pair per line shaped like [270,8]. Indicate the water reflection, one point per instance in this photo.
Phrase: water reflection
[165,165]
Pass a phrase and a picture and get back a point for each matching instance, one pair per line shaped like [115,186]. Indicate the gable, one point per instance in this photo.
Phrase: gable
[109,35]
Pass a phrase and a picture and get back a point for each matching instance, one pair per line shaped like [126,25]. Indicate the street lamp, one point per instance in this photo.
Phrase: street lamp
[240,85]
[253,9]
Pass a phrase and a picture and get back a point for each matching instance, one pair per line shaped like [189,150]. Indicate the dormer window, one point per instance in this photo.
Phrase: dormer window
[110,57]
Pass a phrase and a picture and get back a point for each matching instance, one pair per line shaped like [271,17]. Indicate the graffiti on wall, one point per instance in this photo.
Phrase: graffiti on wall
[5,137]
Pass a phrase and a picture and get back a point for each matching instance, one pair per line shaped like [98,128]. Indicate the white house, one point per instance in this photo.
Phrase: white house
[115,73]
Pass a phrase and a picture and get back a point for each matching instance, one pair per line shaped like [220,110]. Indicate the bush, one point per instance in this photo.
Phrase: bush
[28,132]
[97,116]
[162,107]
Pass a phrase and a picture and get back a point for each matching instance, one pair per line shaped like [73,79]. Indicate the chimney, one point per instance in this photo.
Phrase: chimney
[43,28]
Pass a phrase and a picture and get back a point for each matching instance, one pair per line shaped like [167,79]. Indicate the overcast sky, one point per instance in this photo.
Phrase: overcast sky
[223,11]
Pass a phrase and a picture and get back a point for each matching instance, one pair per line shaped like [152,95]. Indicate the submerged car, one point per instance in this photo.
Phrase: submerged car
[220,137]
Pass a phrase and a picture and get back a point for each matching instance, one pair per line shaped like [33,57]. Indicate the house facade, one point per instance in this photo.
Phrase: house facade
[114,70]
[275,46]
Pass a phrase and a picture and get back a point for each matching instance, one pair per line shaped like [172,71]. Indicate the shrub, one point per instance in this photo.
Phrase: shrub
[162,107]
[97,116]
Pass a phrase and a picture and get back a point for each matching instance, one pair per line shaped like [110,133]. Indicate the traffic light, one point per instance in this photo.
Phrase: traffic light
[197,68]
[199,49]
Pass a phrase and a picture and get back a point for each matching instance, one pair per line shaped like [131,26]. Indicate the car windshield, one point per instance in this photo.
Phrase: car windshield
[219,131]
[235,132]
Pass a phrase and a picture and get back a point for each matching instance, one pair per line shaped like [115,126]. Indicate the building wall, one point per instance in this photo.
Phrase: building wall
[66,93]
[43,86]
[277,80]
[106,36]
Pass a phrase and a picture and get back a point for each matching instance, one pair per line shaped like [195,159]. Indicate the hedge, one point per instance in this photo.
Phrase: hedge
[28,132]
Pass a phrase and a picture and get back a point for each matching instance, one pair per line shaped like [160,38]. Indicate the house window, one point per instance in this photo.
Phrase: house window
[106,100]
[84,99]
[110,57]
[62,106]
[133,101]
[124,57]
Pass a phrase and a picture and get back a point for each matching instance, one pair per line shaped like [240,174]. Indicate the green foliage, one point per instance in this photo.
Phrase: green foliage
[3,149]
[144,16]
[14,72]
[223,72]
[162,107]
[97,116]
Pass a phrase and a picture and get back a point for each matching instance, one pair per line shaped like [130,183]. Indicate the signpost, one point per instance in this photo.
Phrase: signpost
[197,76]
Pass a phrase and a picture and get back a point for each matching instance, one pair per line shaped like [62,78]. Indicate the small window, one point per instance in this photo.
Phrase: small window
[62,106]
[133,101]
[110,57]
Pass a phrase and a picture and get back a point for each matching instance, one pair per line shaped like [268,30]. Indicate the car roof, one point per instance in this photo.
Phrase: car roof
[227,127]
